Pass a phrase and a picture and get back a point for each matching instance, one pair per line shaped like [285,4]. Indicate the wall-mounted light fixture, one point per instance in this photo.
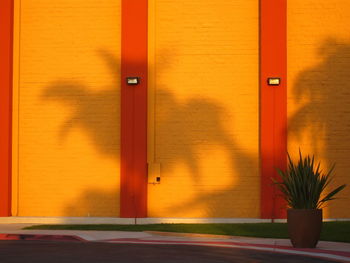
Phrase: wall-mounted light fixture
[132,80]
[274,81]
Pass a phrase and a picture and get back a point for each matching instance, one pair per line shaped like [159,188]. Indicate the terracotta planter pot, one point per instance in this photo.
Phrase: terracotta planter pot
[304,227]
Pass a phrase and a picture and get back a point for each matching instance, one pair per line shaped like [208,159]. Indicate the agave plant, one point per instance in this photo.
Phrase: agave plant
[303,184]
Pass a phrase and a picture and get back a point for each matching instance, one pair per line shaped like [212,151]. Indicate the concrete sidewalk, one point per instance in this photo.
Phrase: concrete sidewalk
[327,250]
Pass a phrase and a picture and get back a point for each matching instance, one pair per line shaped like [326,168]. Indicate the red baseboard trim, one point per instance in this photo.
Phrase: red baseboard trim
[273,102]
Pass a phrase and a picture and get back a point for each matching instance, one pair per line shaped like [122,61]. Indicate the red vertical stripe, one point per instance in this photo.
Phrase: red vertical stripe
[273,102]
[6,32]
[133,193]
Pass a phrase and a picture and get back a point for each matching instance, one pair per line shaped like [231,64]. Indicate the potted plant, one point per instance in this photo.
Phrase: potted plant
[303,186]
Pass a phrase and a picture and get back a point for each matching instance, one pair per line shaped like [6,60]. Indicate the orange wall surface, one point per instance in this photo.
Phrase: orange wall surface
[318,89]
[204,79]
[66,108]
[203,112]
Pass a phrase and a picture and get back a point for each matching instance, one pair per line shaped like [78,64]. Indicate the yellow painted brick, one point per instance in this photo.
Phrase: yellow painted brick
[206,109]
[318,88]
[69,108]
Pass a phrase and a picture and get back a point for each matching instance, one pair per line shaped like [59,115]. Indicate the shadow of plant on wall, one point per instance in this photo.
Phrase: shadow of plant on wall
[322,121]
[96,112]
[183,128]
[189,132]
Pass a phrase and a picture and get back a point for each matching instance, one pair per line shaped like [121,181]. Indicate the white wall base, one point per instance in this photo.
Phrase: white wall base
[139,221]
[66,220]
[171,220]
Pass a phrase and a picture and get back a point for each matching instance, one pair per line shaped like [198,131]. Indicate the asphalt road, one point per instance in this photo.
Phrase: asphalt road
[93,252]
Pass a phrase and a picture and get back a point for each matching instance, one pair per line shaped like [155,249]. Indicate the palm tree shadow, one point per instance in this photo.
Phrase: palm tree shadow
[96,112]
[200,122]
[323,120]
[181,127]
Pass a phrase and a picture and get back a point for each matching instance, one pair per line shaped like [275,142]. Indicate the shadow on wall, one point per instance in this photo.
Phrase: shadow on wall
[187,125]
[324,117]
[95,112]
[94,203]
[183,129]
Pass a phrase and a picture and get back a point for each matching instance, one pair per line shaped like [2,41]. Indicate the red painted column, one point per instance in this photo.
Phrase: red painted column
[6,33]
[133,192]
[273,102]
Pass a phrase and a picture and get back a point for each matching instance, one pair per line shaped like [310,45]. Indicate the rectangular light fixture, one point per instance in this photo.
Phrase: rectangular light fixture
[274,81]
[132,80]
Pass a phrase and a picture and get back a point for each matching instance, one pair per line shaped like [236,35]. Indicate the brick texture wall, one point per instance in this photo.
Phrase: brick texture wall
[68,108]
[318,88]
[206,104]
[206,109]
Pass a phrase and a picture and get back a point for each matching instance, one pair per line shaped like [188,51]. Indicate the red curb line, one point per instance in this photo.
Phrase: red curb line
[311,250]
[41,237]
[314,253]
[71,238]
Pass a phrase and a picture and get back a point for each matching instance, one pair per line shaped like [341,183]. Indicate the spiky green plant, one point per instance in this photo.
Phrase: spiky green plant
[303,184]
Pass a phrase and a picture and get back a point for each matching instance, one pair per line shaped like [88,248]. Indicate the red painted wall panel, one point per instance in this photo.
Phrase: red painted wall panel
[6,32]
[134,109]
[273,102]
[134,105]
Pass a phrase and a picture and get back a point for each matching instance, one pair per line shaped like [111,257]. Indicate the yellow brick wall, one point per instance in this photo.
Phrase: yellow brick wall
[318,88]
[67,107]
[66,139]
[206,108]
